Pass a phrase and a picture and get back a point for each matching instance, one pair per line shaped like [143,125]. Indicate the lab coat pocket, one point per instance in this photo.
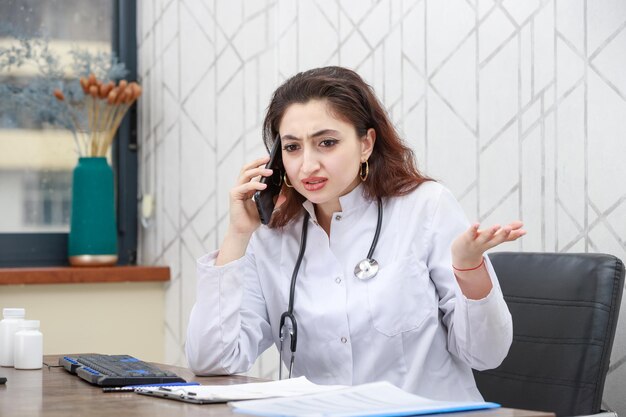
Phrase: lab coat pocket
[399,297]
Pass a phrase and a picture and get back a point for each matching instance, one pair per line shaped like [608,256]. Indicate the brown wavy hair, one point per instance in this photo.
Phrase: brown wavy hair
[392,169]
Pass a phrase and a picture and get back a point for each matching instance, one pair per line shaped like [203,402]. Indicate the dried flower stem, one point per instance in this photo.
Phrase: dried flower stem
[105,105]
[61,97]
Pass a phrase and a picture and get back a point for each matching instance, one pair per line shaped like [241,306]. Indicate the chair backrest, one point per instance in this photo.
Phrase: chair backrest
[565,309]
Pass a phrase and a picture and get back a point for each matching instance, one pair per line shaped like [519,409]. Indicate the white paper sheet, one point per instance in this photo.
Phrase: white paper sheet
[376,399]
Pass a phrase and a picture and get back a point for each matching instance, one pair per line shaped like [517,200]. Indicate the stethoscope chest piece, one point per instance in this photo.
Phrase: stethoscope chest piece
[366,269]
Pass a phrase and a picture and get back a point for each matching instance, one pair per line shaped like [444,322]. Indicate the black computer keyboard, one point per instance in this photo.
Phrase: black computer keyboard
[116,370]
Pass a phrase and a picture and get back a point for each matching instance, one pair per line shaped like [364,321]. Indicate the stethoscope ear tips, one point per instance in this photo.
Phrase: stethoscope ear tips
[366,269]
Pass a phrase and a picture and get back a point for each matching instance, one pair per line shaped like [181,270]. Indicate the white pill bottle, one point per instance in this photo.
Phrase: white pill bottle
[9,325]
[28,346]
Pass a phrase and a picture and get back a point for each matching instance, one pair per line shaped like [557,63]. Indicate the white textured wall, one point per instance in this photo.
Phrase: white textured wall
[518,106]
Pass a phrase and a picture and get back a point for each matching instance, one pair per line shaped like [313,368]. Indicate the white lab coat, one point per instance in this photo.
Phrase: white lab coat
[410,325]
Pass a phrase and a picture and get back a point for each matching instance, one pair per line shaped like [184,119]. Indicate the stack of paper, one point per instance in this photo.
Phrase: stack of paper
[376,399]
[298,397]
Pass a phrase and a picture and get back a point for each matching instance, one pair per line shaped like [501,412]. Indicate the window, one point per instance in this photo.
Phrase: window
[46,200]
[36,158]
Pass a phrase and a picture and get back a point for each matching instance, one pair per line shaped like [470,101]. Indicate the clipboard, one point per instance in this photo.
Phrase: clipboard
[211,394]
[175,393]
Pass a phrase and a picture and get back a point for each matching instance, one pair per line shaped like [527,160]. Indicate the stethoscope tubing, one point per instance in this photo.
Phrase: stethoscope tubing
[379,222]
[289,314]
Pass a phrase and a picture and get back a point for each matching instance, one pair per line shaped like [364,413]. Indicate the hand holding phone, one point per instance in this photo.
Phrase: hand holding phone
[266,199]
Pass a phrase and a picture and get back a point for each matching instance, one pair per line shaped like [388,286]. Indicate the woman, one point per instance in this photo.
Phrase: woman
[433,311]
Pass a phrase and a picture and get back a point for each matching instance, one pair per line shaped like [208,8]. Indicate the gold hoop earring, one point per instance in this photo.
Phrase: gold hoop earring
[363,175]
[286,181]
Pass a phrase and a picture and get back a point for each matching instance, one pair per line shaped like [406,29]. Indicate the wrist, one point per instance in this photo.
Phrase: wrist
[467,264]
[233,247]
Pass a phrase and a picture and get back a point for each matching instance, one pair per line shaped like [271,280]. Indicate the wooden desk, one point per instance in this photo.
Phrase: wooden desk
[54,392]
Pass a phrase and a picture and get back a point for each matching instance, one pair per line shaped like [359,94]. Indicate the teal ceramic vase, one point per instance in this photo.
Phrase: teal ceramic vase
[93,231]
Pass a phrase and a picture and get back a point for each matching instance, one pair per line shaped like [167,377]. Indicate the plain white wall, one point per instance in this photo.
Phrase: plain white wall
[518,106]
[111,318]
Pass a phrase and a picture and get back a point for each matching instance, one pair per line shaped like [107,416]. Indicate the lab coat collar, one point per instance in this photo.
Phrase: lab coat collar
[348,202]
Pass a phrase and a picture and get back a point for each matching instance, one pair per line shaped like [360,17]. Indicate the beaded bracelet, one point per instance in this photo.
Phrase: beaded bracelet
[470,269]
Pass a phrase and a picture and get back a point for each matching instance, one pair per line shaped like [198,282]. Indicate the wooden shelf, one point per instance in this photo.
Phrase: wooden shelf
[75,275]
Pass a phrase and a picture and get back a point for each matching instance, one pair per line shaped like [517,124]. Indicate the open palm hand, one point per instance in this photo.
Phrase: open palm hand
[469,247]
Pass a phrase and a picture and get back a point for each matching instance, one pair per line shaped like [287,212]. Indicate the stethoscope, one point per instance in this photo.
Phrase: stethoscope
[364,270]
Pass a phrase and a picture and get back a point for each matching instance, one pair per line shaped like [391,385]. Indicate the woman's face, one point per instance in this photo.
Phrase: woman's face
[321,153]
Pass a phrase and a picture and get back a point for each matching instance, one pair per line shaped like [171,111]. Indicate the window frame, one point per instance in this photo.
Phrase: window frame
[50,249]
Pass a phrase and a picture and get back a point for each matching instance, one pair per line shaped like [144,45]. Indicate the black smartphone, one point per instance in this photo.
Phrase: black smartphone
[266,199]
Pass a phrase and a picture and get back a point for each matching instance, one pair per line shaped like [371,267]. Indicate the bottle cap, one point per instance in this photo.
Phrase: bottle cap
[29,325]
[13,312]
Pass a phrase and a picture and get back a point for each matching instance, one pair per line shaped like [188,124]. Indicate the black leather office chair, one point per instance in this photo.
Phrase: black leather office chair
[565,309]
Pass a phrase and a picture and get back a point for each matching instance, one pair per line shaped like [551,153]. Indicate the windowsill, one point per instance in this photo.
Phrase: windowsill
[76,275]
